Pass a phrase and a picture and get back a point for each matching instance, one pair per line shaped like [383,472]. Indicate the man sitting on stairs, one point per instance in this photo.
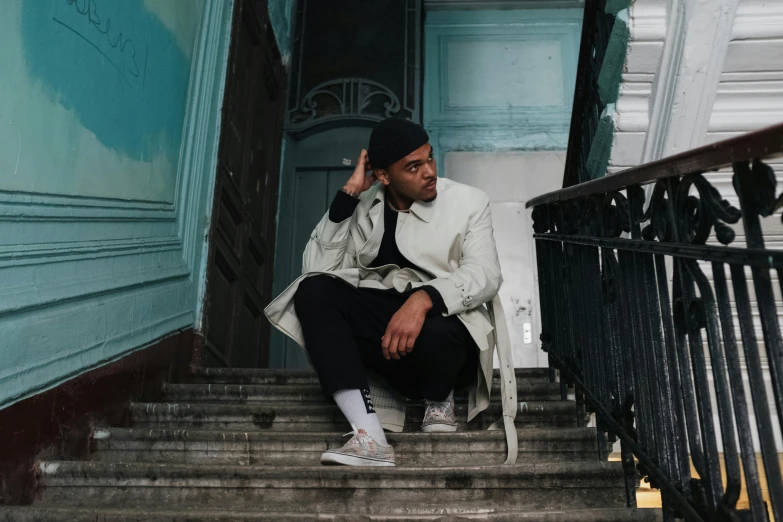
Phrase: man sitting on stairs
[396,276]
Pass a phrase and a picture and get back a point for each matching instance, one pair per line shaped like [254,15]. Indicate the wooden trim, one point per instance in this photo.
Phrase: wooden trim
[199,158]
[57,421]
[762,143]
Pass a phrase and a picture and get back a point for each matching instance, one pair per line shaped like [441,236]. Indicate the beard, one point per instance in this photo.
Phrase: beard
[430,200]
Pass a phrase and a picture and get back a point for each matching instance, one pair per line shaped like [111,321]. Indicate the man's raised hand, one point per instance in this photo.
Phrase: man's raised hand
[360,180]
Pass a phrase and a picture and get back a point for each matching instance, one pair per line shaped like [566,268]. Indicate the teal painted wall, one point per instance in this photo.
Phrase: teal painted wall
[102,88]
[609,79]
[500,80]
[109,121]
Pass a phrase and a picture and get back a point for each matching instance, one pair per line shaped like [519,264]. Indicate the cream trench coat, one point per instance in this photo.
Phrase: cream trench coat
[451,240]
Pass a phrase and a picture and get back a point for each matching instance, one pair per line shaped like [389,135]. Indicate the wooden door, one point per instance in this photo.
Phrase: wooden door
[315,168]
[242,231]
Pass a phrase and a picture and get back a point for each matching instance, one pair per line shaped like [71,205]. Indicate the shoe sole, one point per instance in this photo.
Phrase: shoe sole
[350,460]
[435,428]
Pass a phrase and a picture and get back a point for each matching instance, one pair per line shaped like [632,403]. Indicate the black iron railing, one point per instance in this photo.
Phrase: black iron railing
[652,310]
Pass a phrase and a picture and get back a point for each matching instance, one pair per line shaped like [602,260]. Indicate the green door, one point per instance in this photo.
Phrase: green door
[313,170]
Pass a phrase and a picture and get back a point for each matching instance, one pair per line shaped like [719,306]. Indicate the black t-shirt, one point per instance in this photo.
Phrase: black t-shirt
[343,207]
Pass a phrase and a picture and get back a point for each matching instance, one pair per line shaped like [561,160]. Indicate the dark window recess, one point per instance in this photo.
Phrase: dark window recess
[355,62]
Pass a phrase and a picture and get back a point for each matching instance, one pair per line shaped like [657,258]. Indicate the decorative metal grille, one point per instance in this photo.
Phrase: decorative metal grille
[351,99]
[355,62]
[649,317]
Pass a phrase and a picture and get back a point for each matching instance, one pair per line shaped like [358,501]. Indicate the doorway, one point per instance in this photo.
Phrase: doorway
[242,230]
[497,97]
[315,168]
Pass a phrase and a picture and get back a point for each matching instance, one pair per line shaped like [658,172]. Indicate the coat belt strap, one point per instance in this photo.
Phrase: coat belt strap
[508,380]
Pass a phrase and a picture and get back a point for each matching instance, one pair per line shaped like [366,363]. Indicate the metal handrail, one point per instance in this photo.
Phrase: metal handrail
[635,300]
[764,143]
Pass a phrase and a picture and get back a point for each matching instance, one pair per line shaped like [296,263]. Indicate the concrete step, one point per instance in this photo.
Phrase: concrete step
[304,449]
[275,376]
[526,391]
[42,514]
[326,417]
[335,489]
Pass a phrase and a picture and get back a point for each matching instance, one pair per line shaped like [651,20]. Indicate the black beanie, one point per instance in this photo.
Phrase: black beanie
[393,139]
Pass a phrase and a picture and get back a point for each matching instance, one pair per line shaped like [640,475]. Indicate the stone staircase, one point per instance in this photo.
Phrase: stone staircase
[243,445]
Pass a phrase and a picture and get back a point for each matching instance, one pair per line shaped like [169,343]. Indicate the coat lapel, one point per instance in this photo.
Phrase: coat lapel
[369,251]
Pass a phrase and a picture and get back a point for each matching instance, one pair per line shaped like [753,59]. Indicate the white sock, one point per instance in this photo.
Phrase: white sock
[357,407]
[447,400]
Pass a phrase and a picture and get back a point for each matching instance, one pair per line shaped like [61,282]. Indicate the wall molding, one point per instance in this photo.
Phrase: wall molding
[25,255]
[443,5]
[477,139]
[134,328]
[648,20]
[120,273]
[27,298]
[157,329]
[758,21]
[40,206]
[541,116]
[485,128]
[56,200]
[202,137]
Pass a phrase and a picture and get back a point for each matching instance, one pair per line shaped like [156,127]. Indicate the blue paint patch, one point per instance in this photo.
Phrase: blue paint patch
[115,65]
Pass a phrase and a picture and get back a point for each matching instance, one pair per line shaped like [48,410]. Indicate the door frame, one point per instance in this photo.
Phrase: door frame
[328,149]
[268,227]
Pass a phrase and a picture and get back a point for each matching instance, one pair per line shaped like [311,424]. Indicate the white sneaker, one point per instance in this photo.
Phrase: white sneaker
[439,416]
[361,450]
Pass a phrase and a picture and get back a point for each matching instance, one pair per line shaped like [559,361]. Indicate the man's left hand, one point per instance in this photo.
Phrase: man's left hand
[405,326]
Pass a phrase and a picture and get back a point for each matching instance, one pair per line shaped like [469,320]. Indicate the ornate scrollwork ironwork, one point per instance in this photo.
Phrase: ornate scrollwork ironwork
[617,217]
[668,328]
[677,215]
[760,183]
[541,220]
[344,99]
[638,311]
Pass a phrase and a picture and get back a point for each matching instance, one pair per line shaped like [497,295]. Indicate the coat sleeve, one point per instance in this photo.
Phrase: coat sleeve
[478,278]
[330,247]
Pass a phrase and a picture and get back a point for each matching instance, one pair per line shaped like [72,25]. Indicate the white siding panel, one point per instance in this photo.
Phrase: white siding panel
[643,57]
[754,56]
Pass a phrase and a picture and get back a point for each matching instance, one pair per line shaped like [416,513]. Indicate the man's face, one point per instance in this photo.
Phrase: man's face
[415,176]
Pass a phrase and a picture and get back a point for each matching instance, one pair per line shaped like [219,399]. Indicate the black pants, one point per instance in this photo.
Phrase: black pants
[343,327]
